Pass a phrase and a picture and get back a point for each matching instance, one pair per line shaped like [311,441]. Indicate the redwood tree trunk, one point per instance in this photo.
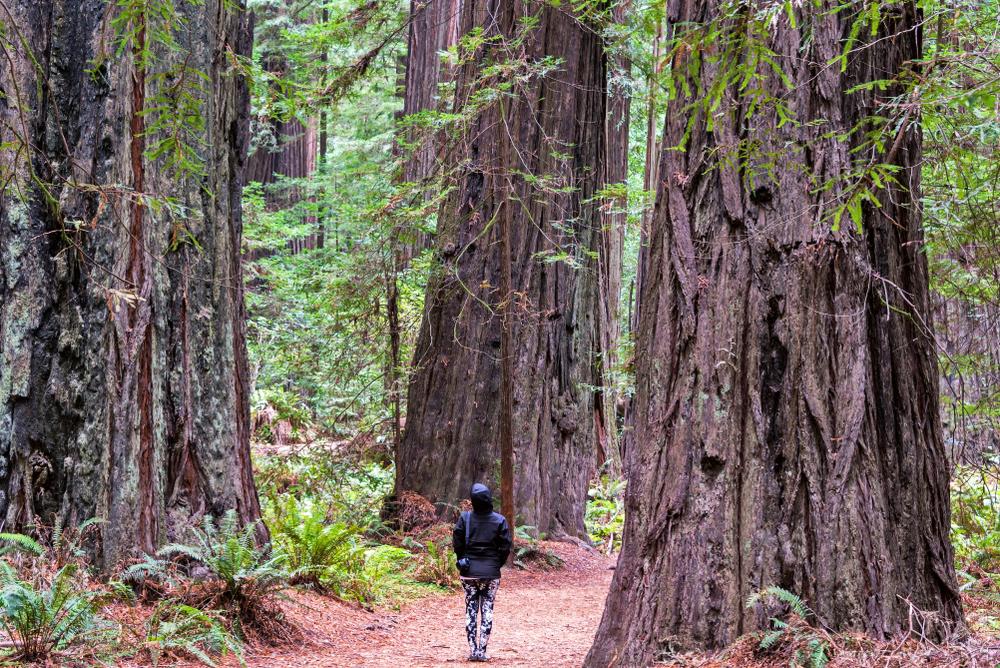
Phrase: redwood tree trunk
[285,148]
[434,28]
[124,379]
[556,129]
[787,390]
[614,214]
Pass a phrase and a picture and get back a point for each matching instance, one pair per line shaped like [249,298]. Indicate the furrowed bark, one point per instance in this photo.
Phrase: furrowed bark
[556,128]
[434,28]
[787,390]
[124,379]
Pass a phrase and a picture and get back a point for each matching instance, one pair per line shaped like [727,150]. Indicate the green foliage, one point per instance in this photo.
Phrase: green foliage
[18,542]
[173,112]
[231,555]
[176,630]
[54,546]
[605,516]
[351,491]
[528,548]
[318,330]
[244,581]
[49,614]
[323,516]
[804,645]
[435,562]
[382,577]
[327,555]
[319,322]
[959,185]
[975,520]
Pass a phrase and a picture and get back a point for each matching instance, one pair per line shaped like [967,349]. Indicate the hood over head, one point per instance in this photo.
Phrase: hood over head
[482,498]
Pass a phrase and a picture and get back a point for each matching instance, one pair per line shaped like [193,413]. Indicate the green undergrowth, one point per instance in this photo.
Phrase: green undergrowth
[605,516]
[196,600]
[324,514]
[975,535]
[794,634]
[50,603]
[529,551]
[218,586]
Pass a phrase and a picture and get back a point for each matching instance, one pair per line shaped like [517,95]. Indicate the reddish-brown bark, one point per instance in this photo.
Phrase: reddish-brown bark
[787,393]
[555,126]
[124,380]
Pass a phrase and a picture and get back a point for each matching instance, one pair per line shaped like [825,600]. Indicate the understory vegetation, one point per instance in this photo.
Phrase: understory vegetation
[204,597]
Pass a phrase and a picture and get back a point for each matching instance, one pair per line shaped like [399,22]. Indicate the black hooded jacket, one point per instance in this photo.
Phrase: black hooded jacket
[489,536]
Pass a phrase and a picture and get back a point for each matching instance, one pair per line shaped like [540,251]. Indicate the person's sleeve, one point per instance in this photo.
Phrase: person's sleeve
[504,541]
[458,537]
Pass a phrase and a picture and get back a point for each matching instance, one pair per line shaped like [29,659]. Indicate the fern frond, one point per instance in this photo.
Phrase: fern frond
[19,541]
[181,550]
[794,602]
[769,639]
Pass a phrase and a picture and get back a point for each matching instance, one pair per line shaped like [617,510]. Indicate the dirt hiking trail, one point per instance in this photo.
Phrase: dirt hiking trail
[541,618]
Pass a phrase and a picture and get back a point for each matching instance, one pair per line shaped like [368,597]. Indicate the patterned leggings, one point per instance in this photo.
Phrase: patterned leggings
[479,596]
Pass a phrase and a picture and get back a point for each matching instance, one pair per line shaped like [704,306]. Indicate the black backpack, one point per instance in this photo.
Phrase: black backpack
[463,563]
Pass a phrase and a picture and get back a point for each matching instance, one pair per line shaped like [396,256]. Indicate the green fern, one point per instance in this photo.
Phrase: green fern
[56,539]
[336,557]
[794,602]
[526,533]
[178,630]
[810,649]
[769,639]
[251,578]
[150,568]
[434,563]
[820,654]
[59,545]
[18,542]
[231,555]
[49,615]
[315,549]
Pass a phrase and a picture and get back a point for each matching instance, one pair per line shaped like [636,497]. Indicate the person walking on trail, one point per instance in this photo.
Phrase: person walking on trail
[482,541]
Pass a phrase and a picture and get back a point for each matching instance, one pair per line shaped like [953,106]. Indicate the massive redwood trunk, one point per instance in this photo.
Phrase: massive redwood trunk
[551,126]
[787,391]
[124,378]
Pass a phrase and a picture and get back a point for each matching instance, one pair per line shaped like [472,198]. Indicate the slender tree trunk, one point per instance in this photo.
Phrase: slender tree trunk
[293,155]
[614,215]
[323,147]
[506,419]
[649,184]
[286,148]
[650,176]
[787,399]
[124,382]
[555,125]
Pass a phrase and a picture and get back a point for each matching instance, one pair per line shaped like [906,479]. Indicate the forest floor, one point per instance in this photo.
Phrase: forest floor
[548,618]
[541,618]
